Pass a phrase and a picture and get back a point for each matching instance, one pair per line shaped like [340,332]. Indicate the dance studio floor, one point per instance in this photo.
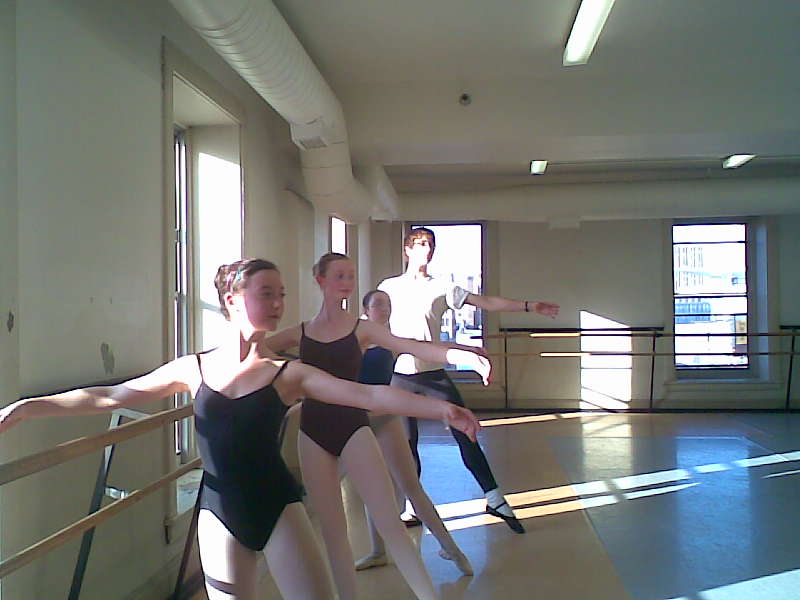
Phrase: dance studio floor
[646,507]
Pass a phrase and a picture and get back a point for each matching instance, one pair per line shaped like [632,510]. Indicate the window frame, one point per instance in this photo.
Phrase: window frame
[718,372]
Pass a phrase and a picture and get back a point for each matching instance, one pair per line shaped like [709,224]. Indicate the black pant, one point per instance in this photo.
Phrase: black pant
[438,384]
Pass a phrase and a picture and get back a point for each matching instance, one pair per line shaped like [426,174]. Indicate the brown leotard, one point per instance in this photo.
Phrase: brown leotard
[331,425]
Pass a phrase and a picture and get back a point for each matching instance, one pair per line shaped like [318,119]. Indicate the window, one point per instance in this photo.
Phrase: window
[710,295]
[338,236]
[339,242]
[458,259]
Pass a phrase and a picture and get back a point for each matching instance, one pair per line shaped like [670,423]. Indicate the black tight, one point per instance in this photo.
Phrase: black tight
[437,384]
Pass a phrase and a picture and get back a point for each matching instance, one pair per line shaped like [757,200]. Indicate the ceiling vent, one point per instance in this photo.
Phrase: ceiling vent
[312,136]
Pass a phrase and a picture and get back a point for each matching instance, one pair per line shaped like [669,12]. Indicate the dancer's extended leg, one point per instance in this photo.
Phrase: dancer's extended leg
[295,559]
[229,568]
[321,480]
[364,465]
[438,384]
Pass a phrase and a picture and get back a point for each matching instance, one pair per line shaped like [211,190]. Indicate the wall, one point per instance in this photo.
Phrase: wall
[91,255]
[9,332]
[618,268]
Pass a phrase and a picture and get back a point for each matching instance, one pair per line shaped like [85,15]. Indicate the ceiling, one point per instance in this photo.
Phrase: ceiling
[671,88]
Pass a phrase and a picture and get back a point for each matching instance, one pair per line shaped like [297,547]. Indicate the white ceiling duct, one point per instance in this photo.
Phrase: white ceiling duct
[253,37]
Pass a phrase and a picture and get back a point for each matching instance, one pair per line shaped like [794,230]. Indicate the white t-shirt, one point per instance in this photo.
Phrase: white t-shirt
[417,308]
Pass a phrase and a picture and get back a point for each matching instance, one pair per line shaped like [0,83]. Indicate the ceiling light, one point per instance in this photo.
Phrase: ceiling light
[736,160]
[588,24]
[538,167]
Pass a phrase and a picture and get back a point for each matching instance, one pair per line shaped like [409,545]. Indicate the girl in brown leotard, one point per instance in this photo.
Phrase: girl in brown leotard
[334,340]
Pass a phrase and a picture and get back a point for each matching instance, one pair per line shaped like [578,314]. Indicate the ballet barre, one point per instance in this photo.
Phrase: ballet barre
[652,333]
[45,459]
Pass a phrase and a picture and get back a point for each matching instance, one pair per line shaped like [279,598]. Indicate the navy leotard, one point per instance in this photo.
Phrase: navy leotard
[377,366]
[331,425]
[245,483]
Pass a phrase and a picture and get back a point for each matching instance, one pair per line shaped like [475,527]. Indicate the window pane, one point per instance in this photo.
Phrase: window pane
[716,343]
[709,268]
[708,233]
[705,309]
[338,236]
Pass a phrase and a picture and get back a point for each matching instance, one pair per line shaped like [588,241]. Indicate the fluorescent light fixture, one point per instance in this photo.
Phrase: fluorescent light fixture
[538,167]
[735,161]
[588,24]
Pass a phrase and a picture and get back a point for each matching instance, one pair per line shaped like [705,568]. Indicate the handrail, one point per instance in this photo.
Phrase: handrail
[651,333]
[34,463]
[44,546]
[540,332]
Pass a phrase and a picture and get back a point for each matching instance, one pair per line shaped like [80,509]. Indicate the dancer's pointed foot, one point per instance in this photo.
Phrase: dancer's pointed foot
[371,560]
[503,511]
[458,557]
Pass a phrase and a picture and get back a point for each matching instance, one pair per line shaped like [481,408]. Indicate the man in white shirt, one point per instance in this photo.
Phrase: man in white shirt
[418,304]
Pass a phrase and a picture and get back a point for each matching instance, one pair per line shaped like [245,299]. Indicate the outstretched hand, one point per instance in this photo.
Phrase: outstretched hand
[547,309]
[462,419]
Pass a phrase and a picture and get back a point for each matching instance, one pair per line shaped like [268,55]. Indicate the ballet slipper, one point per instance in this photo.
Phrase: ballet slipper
[371,560]
[459,558]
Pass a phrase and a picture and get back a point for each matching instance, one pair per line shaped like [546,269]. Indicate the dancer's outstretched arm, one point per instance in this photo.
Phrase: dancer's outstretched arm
[171,378]
[308,381]
[284,339]
[500,304]
[430,351]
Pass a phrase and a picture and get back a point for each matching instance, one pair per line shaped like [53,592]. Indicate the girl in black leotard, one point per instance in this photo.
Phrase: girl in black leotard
[249,500]
[333,340]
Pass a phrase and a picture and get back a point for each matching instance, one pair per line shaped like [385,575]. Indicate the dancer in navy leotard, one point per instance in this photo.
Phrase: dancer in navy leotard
[377,368]
[333,332]
[249,500]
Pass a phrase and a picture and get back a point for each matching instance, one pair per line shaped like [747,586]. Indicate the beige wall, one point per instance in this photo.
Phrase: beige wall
[9,340]
[618,268]
[90,256]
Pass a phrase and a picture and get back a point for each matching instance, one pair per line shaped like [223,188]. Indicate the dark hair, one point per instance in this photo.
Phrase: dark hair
[233,277]
[419,233]
[325,260]
[368,297]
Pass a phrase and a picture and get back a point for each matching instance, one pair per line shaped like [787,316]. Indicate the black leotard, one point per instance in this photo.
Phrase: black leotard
[245,483]
[331,425]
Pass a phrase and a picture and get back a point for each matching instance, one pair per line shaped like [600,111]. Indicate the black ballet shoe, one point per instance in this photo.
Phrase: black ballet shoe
[412,521]
[512,522]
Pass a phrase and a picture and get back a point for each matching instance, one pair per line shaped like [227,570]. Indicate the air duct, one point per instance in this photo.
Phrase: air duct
[253,37]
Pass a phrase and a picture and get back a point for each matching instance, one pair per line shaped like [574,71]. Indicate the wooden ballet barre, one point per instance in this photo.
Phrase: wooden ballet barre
[580,353]
[44,546]
[34,463]
[583,353]
[624,333]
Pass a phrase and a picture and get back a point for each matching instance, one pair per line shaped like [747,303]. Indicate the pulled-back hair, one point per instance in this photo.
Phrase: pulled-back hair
[233,277]
[368,297]
[321,268]
[417,234]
